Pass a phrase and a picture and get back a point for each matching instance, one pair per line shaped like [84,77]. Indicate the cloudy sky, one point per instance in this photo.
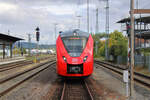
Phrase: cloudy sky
[21,17]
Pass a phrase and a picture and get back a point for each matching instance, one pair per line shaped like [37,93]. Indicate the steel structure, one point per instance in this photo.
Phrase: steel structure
[55,29]
[29,41]
[88,24]
[79,21]
[107,29]
[97,21]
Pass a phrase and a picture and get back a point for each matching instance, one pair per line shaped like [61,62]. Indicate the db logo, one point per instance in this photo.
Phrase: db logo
[74,60]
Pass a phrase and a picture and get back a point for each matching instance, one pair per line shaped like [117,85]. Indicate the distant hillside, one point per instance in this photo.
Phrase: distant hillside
[33,45]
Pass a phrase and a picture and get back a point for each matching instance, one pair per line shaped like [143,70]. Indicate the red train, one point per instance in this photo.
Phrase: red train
[74,54]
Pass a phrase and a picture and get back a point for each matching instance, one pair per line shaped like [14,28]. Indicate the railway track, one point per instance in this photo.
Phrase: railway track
[139,78]
[13,65]
[11,82]
[76,90]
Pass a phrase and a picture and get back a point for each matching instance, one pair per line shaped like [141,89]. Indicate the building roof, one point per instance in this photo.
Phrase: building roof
[145,19]
[124,20]
[75,32]
[8,38]
[144,35]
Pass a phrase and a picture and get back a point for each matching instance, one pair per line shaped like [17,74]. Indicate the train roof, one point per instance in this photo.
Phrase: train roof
[75,32]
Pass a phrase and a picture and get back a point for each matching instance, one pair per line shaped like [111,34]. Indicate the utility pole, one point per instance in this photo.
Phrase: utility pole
[107,30]
[29,41]
[79,21]
[88,25]
[96,47]
[97,21]
[55,30]
[132,50]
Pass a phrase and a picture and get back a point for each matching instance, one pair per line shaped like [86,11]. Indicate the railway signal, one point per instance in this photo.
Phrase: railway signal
[37,39]
[37,34]
[128,28]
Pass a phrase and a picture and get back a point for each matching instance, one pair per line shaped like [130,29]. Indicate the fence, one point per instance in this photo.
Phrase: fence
[140,61]
[143,61]
[121,60]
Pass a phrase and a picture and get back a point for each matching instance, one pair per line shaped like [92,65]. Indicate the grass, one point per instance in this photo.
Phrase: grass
[38,57]
[99,58]
[1,54]
[142,70]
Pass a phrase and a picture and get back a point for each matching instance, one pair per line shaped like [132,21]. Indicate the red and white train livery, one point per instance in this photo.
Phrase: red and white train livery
[74,54]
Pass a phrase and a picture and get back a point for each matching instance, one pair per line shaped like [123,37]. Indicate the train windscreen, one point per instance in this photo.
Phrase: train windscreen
[75,45]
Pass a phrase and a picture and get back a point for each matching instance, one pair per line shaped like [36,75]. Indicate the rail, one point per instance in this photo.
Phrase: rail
[139,78]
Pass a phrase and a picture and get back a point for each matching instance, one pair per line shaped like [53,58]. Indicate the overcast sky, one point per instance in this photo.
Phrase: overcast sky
[21,17]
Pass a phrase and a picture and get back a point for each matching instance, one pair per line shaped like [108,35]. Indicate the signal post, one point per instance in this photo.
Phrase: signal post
[132,12]
[37,39]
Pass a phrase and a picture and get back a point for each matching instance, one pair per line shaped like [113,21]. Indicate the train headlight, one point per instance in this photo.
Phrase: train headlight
[85,58]
[65,59]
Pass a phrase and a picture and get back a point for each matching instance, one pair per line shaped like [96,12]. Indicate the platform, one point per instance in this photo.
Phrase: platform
[11,60]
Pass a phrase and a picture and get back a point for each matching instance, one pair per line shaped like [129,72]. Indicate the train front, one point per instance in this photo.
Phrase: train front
[74,54]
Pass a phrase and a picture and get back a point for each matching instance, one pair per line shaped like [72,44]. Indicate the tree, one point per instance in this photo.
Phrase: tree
[101,44]
[101,50]
[117,44]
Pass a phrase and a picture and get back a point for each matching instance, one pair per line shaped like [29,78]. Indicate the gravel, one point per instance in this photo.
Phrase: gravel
[116,84]
[35,88]
[46,86]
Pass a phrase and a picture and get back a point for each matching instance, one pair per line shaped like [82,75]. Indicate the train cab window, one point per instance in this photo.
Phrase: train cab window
[74,45]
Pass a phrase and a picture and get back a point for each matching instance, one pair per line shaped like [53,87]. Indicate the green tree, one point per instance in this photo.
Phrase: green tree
[117,44]
[100,44]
